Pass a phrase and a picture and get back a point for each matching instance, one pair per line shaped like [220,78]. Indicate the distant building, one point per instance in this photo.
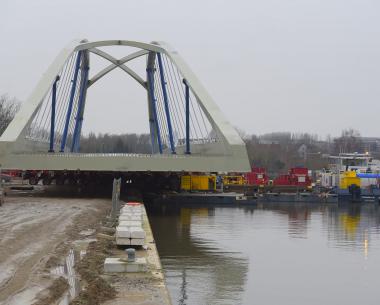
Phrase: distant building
[302,151]
[370,144]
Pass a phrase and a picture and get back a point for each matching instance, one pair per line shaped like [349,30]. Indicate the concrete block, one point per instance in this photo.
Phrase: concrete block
[137,217]
[131,212]
[132,209]
[125,217]
[134,217]
[137,242]
[116,265]
[137,232]
[123,241]
[123,232]
[130,223]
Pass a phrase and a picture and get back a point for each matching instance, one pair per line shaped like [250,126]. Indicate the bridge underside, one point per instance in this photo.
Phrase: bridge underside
[124,162]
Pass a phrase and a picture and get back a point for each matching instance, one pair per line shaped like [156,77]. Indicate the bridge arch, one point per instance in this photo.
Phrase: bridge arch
[183,118]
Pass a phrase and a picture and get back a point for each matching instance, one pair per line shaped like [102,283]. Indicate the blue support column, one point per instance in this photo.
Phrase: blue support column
[52,119]
[187,99]
[154,109]
[152,137]
[79,116]
[71,101]
[166,103]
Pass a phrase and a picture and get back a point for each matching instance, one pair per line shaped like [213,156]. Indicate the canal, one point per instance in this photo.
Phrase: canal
[304,254]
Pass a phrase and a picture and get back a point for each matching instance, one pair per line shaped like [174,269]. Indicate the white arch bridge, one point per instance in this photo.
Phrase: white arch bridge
[188,131]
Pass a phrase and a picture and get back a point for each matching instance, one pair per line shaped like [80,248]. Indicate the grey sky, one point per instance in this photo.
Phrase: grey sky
[270,65]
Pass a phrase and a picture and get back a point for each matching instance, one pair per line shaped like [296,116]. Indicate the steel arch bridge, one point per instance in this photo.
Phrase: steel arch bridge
[188,131]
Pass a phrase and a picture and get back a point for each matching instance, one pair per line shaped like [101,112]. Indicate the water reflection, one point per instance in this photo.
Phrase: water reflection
[187,254]
[67,271]
[353,227]
[277,254]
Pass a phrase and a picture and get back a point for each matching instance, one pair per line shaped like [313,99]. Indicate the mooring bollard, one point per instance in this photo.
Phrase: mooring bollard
[131,254]
[115,197]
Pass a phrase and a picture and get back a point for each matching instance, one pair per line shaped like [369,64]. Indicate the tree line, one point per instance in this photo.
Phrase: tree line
[111,143]
[279,151]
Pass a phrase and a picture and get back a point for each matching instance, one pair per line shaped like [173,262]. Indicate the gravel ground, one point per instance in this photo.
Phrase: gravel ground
[34,234]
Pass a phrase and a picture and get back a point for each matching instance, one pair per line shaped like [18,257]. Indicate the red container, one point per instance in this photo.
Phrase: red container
[283,180]
[297,176]
[299,171]
[257,176]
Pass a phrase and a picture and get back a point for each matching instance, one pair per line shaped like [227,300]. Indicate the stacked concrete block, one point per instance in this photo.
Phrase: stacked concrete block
[132,217]
[130,223]
[130,231]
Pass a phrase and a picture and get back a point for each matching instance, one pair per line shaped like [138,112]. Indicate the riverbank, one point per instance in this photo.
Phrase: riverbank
[53,251]
[36,235]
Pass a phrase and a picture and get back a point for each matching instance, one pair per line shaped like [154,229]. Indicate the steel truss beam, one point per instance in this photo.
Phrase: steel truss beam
[119,63]
[114,61]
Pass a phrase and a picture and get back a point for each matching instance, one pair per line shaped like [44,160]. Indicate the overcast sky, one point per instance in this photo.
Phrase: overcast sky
[271,65]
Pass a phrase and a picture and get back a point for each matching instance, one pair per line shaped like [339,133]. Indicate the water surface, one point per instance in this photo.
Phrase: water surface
[304,254]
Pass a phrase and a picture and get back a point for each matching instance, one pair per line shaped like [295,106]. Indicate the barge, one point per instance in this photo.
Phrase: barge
[209,198]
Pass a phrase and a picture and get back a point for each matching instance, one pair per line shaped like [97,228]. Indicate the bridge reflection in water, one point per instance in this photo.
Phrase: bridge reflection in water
[188,253]
[304,254]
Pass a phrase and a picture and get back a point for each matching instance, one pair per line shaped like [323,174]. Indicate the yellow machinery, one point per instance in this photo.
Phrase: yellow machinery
[233,180]
[198,183]
[349,178]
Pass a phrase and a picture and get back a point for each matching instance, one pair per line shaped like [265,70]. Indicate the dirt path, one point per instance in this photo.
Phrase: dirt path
[32,230]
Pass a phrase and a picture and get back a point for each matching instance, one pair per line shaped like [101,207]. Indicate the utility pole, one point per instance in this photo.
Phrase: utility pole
[115,198]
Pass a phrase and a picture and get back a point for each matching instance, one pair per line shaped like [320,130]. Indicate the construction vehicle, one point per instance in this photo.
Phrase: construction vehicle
[234,180]
[205,183]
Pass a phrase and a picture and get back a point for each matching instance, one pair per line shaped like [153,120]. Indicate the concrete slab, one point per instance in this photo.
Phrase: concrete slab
[137,232]
[133,217]
[130,232]
[117,265]
[123,241]
[130,223]
[131,209]
[124,232]
[124,217]
[137,242]
[135,209]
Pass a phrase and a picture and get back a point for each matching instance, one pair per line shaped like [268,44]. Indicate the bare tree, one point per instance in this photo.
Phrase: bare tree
[348,142]
[8,109]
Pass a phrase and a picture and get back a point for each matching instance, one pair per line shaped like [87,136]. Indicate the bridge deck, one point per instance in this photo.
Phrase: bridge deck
[124,162]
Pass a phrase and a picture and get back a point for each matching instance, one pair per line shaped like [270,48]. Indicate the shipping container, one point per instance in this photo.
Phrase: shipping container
[257,176]
[198,183]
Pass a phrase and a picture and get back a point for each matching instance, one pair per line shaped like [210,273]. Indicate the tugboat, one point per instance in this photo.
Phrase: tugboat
[354,178]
